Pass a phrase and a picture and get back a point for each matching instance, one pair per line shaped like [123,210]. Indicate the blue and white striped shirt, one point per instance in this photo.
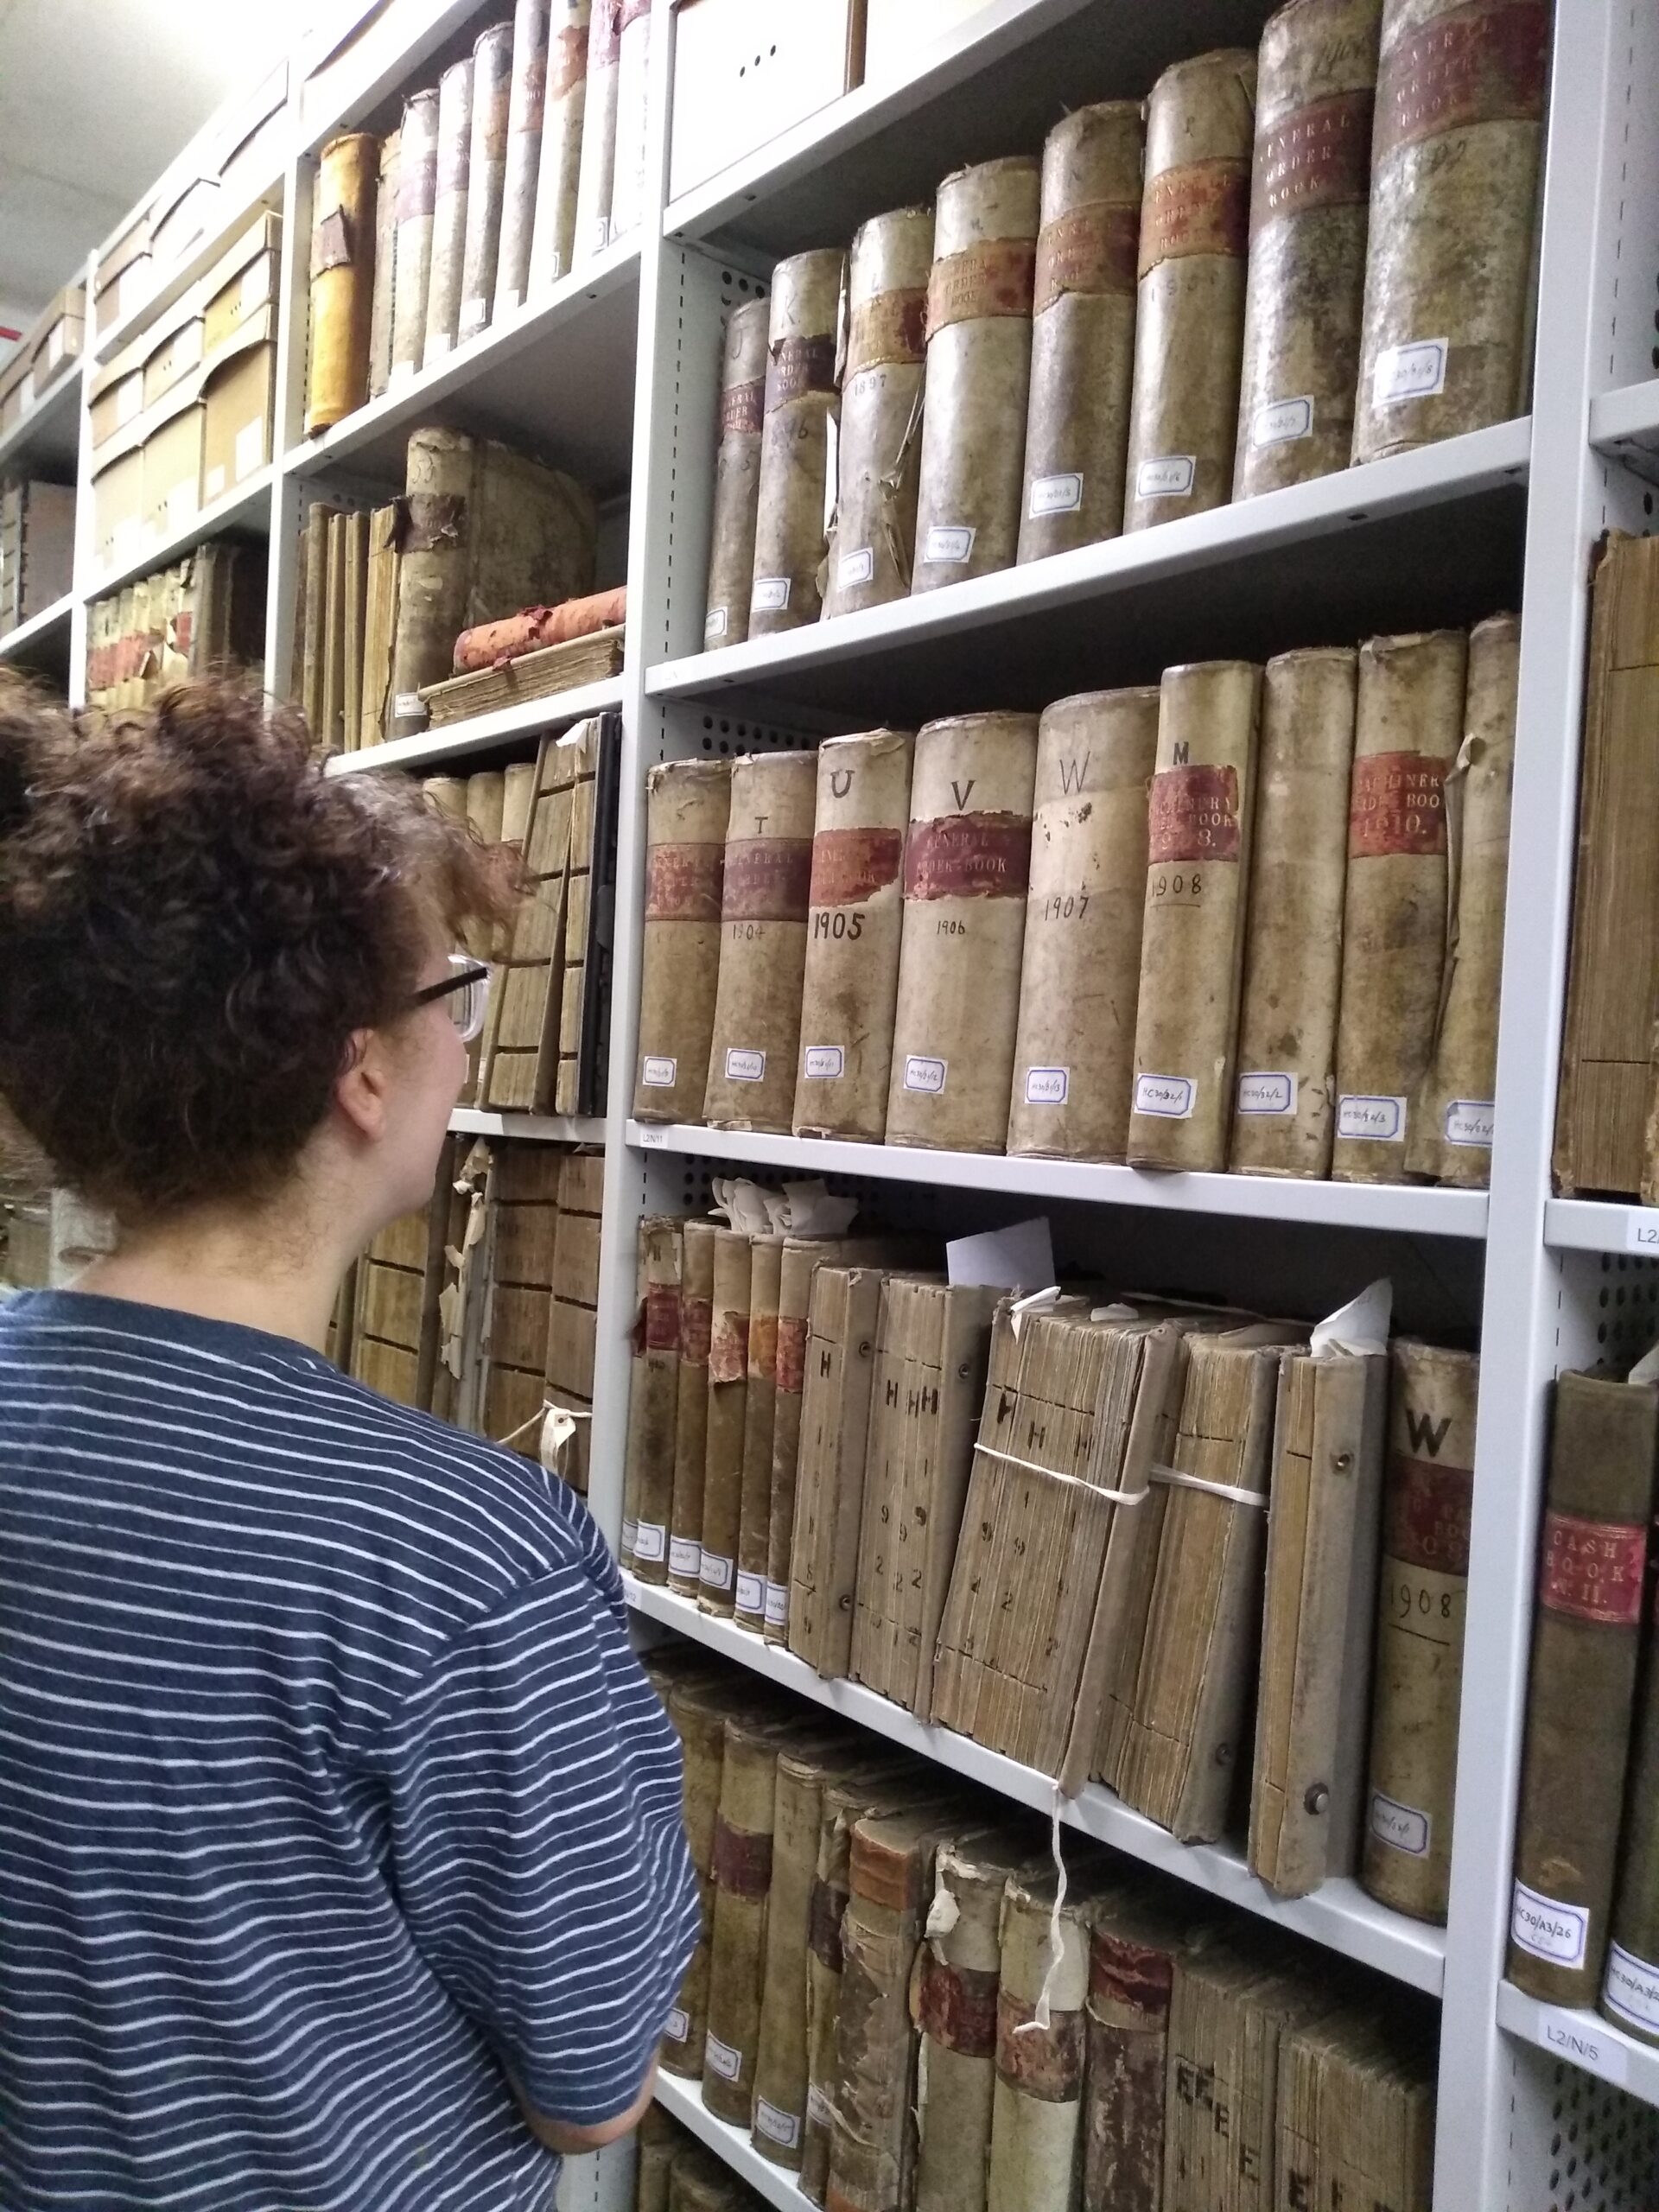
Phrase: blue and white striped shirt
[330,1792]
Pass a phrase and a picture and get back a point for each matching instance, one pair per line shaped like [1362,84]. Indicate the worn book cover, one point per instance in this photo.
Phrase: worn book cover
[649,1474]
[830,1475]
[728,1393]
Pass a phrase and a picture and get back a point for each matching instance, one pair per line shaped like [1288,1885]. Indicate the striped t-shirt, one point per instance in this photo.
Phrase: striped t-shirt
[331,1794]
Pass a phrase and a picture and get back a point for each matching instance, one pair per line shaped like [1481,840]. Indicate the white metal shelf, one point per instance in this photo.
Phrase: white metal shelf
[1601,1225]
[543,1129]
[1624,424]
[1410,1210]
[247,509]
[1339,1914]
[49,629]
[1583,2039]
[460,741]
[50,432]
[731,2145]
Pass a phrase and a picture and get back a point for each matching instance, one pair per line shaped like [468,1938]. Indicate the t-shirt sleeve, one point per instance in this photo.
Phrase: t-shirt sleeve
[539,1848]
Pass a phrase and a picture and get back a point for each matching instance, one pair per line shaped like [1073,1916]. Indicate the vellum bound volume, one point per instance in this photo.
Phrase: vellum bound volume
[1192,263]
[418,185]
[1132,1948]
[524,102]
[737,473]
[1427,1488]
[1355,2120]
[1316,86]
[1454,180]
[648,1482]
[743,1841]
[1408,730]
[1037,2106]
[691,1418]
[879,449]
[763,918]
[979,301]
[385,257]
[565,101]
[1083,330]
[342,280]
[1200,814]
[760,1401]
[780,2065]
[1453,1115]
[789,521]
[728,1393]
[487,174]
[633,90]
[687,808]
[854,921]
[830,1474]
[967,864]
[598,163]
[699,1707]
[449,212]
[1080,974]
[1629,1994]
[1317,1619]
[1283,1105]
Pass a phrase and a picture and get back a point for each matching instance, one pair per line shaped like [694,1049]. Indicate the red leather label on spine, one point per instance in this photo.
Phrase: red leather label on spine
[1137,1976]
[604,34]
[743,409]
[1320,156]
[763,1346]
[1397,805]
[1593,1570]
[890,327]
[885,1876]
[1201,207]
[797,365]
[957,2005]
[683,882]
[567,63]
[996,277]
[661,1318]
[968,856]
[1092,249]
[849,866]
[1192,815]
[791,1355]
[1042,2063]
[1485,63]
[697,1326]
[1427,1515]
[823,1923]
[767,879]
[728,1347]
[742,1862]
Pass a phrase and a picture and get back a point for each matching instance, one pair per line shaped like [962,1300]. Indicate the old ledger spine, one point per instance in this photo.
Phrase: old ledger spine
[1454,174]
[1083,330]
[1427,1486]
[780,2065]
[829,1478]
[652,1407]
[1453,1115]
[417,187]
[754,1505]
[843,1804]
[1316,86]
[855,915]
[598,164]
[687,807]
[1193,262]
[737,474]
[1036,2117]
[762,942]
[1631,1993]
[1591,1581]
[1073,1060]
[449,211]
[342,280]
[526,100]
[385,259]
[967,866]
[699,1710]
[692,1422]
[1410,727]
[800,403]
[979,301]
[1129,1982]
[437,544]
[1198,833]
[632,94]
[485,174]
[743,1837]
[879,448]
[564,104]
[800,1259]
[729,1389]
[1281,1107]
[957,1975]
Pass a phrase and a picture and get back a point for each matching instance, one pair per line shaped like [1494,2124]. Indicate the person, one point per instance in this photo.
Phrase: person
[342,1866]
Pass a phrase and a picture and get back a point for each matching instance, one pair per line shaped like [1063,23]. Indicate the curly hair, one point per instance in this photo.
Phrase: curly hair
[196,922]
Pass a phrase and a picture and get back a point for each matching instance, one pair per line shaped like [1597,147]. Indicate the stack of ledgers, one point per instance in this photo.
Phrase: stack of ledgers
[206,614]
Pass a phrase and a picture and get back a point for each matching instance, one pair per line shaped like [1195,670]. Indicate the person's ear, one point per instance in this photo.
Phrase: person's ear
[362,1089]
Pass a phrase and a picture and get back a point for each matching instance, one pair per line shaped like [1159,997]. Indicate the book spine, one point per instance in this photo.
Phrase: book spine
[755,1506]
[313,597]
[379,619]
[1200,824]
[687,805]
[955,2006]
[381,309]
[486,175]
[824,1967]
[1083,330]
[1191,269]
[871,2146]
[1073,1059]
[456,95]
[737,473]
[416,204]
[691,1427]
[764,893]
[632,94]
[855,914]
[871,1654]
[1409,729]
[1454,174]
[701,1724]
[879,451]
[357,579]
[1127,2040]
[1037,2115]
[794,1298]
[742,1867]
[331,733]
[564,105]
[728,1390]
[829,1478]
[791,502]
[342,280]
[1630,1996]
[598,164]
[652,1404]
[437,554]
[1316,90]
[1281,1107]
[525,100]
[780,2071]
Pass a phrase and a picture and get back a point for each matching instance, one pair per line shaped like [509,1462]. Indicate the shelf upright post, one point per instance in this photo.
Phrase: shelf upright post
[293,328]
[84,557]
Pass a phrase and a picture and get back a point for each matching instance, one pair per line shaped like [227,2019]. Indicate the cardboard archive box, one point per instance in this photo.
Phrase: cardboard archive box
[745,70]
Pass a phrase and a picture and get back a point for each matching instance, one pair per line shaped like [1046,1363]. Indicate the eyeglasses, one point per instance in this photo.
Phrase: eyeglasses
[468,989]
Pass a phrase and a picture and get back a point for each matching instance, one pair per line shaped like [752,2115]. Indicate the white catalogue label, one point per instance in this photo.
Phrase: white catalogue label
[770,596]
[181,504]
[777,1604]
[1469,1121]
[714,624]
[1046,1086]
[601,232]
[1413,372]
[401,373]
[1282,421]
[129,401]
[438,343]
[54,347]
[817,2108]
[1642,1229]
[751,1594]
[1170,477]
[679,2027]
[409,703]
[215,481]
[743,1066]
[474,313]
[26,393]
[654,1140]
[923,1074]
[685,1557]
[824,1062]
[716,1572]
[255,288]
[855,569]
[650,1541]
[725,2062]
[1054,495]
[1601,2054]
[1170,1096]
[1265,1093]
[1548,1929]
[1401,1826]
[657,1074]
[1632,1989]
[513,297]
[1381,1119]
[250,447]
[776,2126]
[948,542]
